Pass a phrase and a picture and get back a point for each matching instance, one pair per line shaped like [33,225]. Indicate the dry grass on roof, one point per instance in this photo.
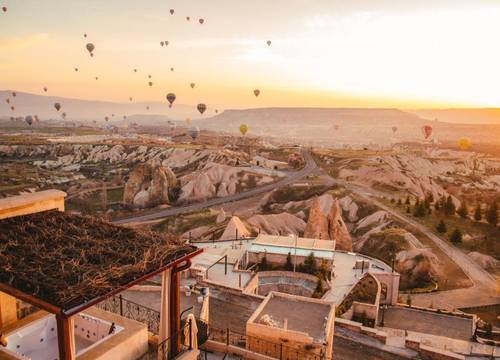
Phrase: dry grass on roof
[67,260]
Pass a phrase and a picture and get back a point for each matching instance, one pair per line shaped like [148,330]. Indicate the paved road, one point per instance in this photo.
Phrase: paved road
[291,178]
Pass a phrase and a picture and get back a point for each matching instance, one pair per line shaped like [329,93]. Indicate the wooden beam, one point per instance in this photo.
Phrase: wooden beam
[175,312]
[164,330]
[66,337]
[39,303]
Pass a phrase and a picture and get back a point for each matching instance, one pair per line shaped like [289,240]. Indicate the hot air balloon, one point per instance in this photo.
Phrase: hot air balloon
[268,42]
[172,11]
[130,98]
[464,143]
[135,70]
[427,131]
[147,107]
[76,69]
[256,92]
[194,132]
[216,111]
[97,78]
[201,108]
[14,94]
[29,119]
[63,115]
[36,118]
[7,100]
[171,98]
[57,106]
[166,43]
[90,48]
[192,85]
[188,18]
[106,118]
[12,118]
[84,35]
[243,129]
[45,89]
[13,108]
[201,21]
[171,69]
[124,117]
[161,43]
[112,115]
[4,8]
[150,83]
[149,76]
[394,129]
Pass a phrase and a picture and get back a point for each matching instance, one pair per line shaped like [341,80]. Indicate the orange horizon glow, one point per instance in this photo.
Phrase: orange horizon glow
[442,55]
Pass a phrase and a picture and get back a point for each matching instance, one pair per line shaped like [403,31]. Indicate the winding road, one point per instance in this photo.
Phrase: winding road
[290,178]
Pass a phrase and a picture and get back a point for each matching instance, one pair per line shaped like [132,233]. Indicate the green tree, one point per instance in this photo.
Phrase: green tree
[400,202]
[263,266]
[323,271]
[492,214]
[408,210]
[463,211]
[288,264]
[407,201]
[456,236]
[477,213]
[310,264]
[449,206]
[420,209]
[408,300]
[441,227]
[318,292]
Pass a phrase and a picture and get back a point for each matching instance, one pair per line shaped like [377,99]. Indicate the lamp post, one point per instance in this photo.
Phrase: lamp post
[295,254]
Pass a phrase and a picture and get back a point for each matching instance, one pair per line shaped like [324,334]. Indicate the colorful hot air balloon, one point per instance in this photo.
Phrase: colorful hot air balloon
[171,69]
[147,107]
[201,21]
[84,35]
[14,94]
[76,69]
[90,48]
[45,89]
[201,108]
[268,42]
[57,106]
[256,92]
[192,85]
[166,43]
[149,76]
[243,129]
[29,119]
[13,108]
[394,129]
[130,98]
[97,77]
[7,100]
[464,143]
[194,132]
[135,70]
[106,118]
[172,11]
[427,131]
[63,115]
[150,83]
[216,111]
[171,98]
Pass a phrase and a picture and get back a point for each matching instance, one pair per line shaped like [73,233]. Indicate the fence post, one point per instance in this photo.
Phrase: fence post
[281,351]
[227,336]
[121,305]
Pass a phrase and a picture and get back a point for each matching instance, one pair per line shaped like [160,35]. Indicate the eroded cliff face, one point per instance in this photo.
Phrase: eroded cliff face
[149,185]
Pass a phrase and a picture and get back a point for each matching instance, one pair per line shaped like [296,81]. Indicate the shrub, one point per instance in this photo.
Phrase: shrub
[477,213]
[492,214]
[449,206]
[463,211]
[441,227]
[456,236]
[288,264]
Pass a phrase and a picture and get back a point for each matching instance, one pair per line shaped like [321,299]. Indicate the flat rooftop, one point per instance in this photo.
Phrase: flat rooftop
[293,242]
[302,315]
[427,322]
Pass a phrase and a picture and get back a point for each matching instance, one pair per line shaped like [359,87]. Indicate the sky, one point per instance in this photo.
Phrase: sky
[329,53]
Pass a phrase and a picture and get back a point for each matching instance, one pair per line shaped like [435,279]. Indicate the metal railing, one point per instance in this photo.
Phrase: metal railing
[173,346]
[132,310]
[272,349]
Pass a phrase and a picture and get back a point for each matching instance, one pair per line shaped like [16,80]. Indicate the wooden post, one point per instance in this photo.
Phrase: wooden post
[8,309]
[164,330]
[175,312]
[66,337]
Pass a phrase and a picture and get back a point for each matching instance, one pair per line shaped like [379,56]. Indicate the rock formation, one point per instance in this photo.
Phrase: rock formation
[235,227]
[149,185]
[337,230]
[317,224]
[276,224]
[325,222]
